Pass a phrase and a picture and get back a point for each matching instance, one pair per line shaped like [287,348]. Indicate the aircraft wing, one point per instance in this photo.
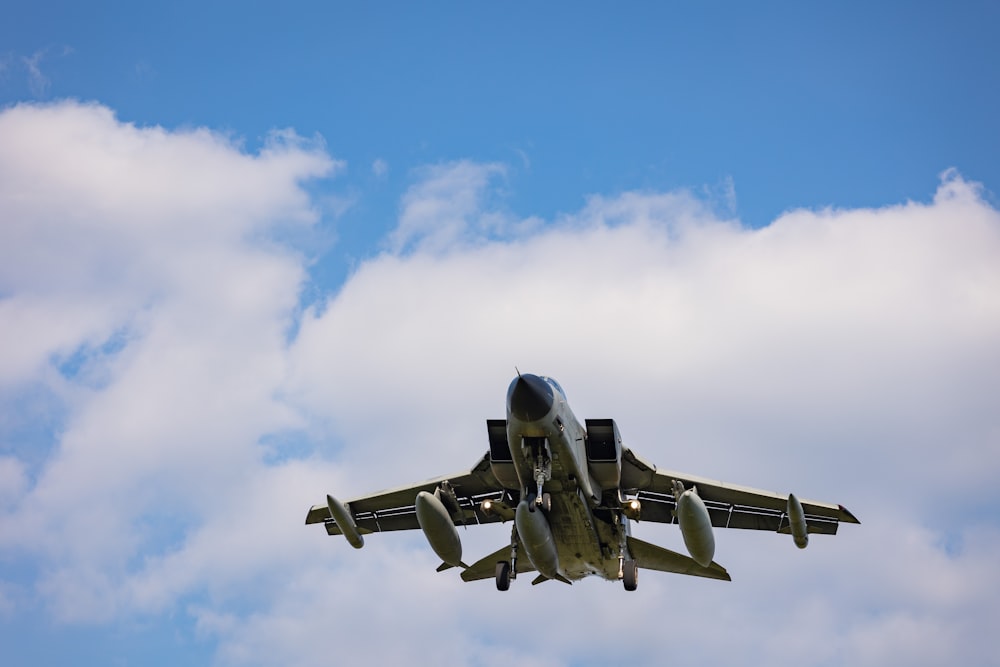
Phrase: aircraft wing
[729,505]
[393,509]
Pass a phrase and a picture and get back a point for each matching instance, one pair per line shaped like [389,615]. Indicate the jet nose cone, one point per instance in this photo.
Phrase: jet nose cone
[529,398]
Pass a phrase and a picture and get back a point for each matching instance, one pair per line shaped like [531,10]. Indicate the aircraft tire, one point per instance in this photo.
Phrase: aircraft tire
[503,575]
[546,503]
[630,574]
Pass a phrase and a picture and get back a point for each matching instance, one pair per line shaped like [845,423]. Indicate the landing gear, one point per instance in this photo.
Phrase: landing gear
[507,569]
[542,473]
[503,575]
[545,502]
[630,575]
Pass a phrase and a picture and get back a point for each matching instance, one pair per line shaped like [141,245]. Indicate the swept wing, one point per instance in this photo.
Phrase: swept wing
[729,505]
[393,509]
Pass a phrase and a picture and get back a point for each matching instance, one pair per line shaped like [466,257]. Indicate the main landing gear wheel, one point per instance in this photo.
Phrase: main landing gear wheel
[503,575]
[630,575]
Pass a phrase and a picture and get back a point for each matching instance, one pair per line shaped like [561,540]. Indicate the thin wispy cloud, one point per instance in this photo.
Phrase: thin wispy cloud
[38,81]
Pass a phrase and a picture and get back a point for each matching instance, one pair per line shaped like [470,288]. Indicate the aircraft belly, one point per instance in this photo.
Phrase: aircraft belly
[578,538]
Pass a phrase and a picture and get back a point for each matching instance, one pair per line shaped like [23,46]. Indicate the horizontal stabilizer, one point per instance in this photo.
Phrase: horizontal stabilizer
[651,557]
[485,568]
[447,566]
[540,578]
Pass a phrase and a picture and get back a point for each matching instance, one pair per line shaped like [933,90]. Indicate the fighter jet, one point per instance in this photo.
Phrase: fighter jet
[572,492]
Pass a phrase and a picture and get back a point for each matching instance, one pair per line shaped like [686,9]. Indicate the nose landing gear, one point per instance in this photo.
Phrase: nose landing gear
[542,473]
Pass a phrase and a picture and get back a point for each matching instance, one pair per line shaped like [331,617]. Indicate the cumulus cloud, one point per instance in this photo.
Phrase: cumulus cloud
[846,355]
[140,287]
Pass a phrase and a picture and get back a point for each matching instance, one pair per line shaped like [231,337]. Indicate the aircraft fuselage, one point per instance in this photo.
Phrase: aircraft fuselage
[548,448]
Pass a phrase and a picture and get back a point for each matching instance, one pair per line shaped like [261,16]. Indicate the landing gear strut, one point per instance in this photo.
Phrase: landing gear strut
[507,570]
[542,473]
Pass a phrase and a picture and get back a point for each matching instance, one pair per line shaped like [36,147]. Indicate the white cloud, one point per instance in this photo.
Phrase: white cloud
[447,206]
[847,355]
[144,255]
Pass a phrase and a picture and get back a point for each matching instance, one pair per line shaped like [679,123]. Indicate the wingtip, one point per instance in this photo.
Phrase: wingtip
[848,516]
[720,573]
[317,514]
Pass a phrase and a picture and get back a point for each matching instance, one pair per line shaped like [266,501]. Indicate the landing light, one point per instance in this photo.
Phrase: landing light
[632,509]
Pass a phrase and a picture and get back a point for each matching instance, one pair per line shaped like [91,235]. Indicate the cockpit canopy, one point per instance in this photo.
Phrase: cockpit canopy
[555,385]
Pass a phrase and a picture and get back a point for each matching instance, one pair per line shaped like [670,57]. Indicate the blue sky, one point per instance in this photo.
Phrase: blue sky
[798,105]
[251,254]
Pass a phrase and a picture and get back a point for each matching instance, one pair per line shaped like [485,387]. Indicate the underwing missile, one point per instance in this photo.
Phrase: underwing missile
[536,539]
[797,522]
[345,522]
[439,529]
[695,523]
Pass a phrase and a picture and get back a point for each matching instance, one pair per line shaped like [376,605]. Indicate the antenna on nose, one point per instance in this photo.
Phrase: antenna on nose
[517,371]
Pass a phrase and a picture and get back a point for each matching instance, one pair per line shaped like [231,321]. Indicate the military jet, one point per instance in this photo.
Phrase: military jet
[573,492]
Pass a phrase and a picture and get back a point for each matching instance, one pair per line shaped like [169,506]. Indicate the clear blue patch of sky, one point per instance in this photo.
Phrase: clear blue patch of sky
[31,637]
[31,424]
[87,363]
[280,447]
